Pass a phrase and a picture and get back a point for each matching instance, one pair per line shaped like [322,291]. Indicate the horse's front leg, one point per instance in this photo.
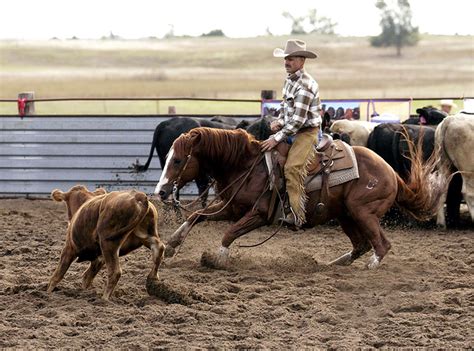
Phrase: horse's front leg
[217,213]
[252,220]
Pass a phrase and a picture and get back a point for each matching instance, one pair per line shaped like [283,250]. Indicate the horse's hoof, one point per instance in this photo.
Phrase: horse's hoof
[374,262]
[169,251]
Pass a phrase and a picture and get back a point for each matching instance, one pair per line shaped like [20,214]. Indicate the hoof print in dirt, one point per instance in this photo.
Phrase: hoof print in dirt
[171,295]
[211,260]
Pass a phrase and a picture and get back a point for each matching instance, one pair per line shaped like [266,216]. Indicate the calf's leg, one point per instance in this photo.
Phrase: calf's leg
[67,256]
[92,271]
[110,251]
[157,253]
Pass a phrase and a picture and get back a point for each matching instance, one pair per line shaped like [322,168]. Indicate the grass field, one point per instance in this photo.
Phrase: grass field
[438,66]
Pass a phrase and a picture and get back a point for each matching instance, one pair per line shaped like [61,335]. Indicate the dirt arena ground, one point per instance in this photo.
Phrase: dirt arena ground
[279,295]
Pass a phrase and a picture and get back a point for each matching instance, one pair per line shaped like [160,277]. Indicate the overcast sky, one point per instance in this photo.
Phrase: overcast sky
[89,19]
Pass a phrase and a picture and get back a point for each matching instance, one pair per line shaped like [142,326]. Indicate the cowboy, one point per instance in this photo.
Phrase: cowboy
[299,118]
[447,105]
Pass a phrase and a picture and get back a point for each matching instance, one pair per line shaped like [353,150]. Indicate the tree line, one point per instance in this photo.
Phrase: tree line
[396,25]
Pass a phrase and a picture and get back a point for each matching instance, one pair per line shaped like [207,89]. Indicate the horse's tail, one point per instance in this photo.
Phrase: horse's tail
[420,194]
[143,168]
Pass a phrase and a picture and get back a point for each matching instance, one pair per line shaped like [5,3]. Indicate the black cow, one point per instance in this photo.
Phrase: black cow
[388,141]
[428,115]
[260,128]
[168,131]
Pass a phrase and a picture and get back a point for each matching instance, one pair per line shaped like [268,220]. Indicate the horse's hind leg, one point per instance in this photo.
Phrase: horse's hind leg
[370,229]
[360,244]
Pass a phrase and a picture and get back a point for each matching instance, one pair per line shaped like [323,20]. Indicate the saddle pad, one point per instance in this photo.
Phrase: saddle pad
[313,183]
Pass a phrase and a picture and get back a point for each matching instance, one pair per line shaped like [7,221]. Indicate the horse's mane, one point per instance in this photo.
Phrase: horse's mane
[229,147]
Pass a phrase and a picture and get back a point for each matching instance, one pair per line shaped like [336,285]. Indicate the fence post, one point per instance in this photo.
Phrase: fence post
[26,107]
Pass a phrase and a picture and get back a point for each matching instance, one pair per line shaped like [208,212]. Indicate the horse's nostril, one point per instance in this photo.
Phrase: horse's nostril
[161,193]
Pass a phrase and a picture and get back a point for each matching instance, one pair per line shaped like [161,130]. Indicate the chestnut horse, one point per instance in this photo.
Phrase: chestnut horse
[233,159]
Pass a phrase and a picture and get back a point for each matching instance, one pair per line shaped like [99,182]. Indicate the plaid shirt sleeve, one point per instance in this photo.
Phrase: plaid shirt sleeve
[302,101]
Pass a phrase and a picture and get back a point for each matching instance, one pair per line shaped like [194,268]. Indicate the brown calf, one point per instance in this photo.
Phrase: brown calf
[103,227]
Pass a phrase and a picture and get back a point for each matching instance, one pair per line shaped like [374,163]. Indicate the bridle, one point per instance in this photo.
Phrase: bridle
[178,179]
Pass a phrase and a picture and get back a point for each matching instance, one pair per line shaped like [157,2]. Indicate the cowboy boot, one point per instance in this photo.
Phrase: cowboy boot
[289,220]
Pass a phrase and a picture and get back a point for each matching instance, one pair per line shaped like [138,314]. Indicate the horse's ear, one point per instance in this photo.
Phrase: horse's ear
[194,137]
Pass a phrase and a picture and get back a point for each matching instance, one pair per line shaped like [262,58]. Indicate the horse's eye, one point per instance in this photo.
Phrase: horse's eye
[176,161]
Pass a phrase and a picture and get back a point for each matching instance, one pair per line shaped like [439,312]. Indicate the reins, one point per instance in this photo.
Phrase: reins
[281,223]
[177,204]
[244,176]
[198,213]
[264,241]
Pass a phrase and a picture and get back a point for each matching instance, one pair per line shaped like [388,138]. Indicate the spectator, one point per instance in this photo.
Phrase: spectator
[323,109]
[331,112]
[340,113]
[447,105]
[356,113]
[349,114]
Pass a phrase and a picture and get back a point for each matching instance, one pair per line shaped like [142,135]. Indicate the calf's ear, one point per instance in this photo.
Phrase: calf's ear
[58,195]
[99,191]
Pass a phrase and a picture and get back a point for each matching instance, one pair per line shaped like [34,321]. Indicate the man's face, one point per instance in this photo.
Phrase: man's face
[446,108]
[293,64]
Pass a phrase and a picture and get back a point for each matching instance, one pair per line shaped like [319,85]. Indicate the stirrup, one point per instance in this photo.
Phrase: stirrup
[290,220]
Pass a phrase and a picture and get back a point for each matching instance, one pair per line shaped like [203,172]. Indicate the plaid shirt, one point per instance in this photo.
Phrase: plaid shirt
[300,107]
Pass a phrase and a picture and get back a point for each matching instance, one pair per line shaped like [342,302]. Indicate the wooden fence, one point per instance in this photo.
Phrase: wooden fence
[41,153]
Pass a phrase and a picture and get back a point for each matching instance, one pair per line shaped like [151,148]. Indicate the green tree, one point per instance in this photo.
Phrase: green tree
[296,23]
[214,33]
[170,33]
[397,29]
[321,24]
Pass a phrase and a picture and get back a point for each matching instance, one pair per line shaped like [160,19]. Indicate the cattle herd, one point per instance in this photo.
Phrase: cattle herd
[450,137]
[103,226]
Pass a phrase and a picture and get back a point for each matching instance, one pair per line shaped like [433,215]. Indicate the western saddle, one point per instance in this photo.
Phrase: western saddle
[330,155]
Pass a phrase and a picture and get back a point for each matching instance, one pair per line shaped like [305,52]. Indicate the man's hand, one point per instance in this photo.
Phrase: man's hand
[268,144]
[275,126]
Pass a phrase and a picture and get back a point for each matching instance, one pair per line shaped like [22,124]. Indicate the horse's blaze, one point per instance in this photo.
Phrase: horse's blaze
[164,180]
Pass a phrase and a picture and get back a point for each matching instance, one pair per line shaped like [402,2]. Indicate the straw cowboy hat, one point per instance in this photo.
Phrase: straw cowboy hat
[294,48]
[447,102]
